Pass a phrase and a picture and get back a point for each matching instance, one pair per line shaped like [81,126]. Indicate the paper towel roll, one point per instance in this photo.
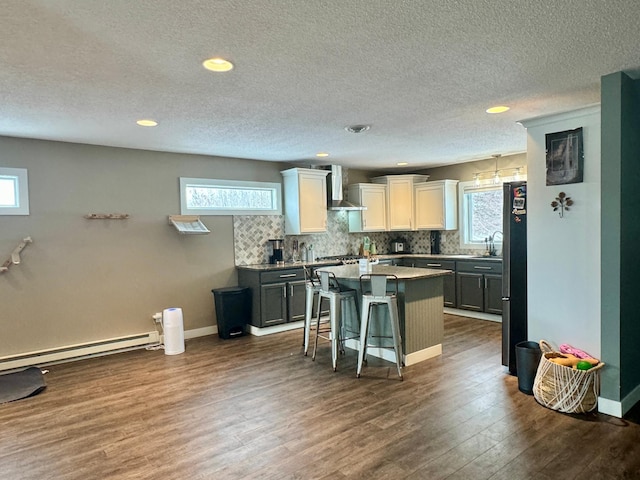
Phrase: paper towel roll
[173,328]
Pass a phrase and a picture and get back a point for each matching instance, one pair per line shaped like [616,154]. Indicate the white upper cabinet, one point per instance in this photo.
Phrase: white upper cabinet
[305,200]
[400,209]
[436,205]
[374,197]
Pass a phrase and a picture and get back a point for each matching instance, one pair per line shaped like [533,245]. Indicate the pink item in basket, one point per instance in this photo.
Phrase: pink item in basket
[566,348]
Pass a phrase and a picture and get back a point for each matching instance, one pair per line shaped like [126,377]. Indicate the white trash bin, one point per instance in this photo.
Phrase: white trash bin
[173,328]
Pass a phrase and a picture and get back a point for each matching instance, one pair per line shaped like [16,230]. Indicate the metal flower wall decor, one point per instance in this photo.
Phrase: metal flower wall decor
[561,203]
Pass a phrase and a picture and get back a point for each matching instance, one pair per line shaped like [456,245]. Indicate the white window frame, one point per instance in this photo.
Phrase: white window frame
[21,182]
[274,188]
[469,187]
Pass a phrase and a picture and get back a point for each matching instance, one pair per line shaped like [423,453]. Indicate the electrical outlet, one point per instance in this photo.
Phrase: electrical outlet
[157,317]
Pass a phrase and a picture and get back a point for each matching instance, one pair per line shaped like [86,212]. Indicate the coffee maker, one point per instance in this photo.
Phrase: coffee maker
[276,251]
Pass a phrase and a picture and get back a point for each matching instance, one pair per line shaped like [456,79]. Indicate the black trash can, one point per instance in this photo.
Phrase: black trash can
[233,310]
[527,359]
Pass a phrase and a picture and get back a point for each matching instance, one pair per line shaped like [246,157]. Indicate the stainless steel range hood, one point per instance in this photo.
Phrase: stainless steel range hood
[335,200]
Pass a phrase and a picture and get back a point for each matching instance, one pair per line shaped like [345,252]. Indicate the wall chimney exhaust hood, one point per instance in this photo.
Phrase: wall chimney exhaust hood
[335,199]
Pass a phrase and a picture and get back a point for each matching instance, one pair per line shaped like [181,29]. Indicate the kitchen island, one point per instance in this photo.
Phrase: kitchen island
[420,309]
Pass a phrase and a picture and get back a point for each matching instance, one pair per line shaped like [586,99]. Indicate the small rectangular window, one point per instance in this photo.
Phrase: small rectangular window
[483,213]
[14,191]
[480,212]
[202,196]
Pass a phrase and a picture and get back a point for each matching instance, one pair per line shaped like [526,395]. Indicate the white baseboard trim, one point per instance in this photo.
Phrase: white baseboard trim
[284,327]
[468,313]
[619,408]
[200,332]
[389,355]
[422,355]
[610,407]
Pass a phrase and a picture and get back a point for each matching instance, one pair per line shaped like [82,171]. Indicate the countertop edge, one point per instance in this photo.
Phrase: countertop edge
[262,267]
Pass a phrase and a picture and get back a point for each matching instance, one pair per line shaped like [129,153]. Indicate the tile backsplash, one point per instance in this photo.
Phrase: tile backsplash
[252,232]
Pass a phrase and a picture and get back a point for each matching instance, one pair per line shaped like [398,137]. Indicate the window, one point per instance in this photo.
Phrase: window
[14,191]
[480,212]
[202,196]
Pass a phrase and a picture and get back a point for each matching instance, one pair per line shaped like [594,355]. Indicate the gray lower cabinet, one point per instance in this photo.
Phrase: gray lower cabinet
[470,291]
[493,294]
[479,286]
[278,296]
[449,281]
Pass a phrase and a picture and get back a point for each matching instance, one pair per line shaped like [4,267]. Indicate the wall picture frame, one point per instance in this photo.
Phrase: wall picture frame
[565,157]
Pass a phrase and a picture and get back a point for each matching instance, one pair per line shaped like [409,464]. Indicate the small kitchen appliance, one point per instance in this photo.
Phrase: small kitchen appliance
[399,246]
[276,250]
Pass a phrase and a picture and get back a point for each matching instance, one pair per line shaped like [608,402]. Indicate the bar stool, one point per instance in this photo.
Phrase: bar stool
[379,296]
[330,290]
[312,289]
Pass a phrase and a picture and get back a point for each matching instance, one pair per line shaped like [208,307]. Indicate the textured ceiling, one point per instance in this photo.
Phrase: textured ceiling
[421,73]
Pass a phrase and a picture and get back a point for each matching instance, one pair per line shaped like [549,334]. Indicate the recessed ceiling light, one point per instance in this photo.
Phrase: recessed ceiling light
[217,64]
[402,164]
[322,154]
[497,109]
[357,128]
[147,123]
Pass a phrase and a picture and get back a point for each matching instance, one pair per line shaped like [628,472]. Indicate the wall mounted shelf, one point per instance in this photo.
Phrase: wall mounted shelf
[15,256]
[107,216]
[188,224]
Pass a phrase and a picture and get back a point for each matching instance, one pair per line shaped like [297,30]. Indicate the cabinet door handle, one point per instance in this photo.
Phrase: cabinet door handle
[434,264]
[291,289]
[485,283]
[288,275]
[284,291]
[477,267]
[479,282]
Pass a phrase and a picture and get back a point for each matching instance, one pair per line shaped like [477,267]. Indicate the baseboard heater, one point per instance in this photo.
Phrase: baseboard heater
[79,351]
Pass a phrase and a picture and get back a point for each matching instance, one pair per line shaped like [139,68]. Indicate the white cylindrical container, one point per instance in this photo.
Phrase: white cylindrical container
[173,328]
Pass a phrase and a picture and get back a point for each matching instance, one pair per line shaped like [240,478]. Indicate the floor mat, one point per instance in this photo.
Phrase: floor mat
[14,386]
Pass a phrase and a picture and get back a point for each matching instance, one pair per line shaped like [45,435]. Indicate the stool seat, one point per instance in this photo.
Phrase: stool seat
[378,295]
[329,289]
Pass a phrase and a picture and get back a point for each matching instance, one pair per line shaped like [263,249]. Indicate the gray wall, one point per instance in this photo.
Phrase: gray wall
[465,171]
[620,233]
[87,280]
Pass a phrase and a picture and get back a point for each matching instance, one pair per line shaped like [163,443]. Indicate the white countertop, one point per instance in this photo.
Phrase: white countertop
[352,272]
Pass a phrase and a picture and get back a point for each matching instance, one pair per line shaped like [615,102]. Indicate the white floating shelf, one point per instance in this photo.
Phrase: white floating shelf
[188,224]
[15,256]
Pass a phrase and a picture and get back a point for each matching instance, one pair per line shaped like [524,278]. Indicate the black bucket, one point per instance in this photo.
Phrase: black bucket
[527,359]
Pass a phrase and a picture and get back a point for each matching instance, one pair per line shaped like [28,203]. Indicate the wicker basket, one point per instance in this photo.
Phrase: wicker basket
[563,388]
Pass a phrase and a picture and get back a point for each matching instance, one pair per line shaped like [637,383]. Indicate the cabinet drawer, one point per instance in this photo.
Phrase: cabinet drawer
[480,267]
[435,263]
[289,275]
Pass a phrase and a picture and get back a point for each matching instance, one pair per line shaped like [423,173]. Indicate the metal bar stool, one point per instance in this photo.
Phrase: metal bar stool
[379,296]
[330,290]
[312,289]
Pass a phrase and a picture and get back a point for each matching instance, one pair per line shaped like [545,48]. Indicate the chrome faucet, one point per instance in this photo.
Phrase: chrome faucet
[492,247]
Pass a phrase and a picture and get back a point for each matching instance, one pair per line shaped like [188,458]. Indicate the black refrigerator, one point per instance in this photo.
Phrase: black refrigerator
[514,271]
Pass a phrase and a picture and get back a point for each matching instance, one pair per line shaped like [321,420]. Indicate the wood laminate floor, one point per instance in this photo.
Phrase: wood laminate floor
[255,407]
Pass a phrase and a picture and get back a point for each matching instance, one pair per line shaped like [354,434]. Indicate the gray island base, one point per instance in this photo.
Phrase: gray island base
[420,310]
